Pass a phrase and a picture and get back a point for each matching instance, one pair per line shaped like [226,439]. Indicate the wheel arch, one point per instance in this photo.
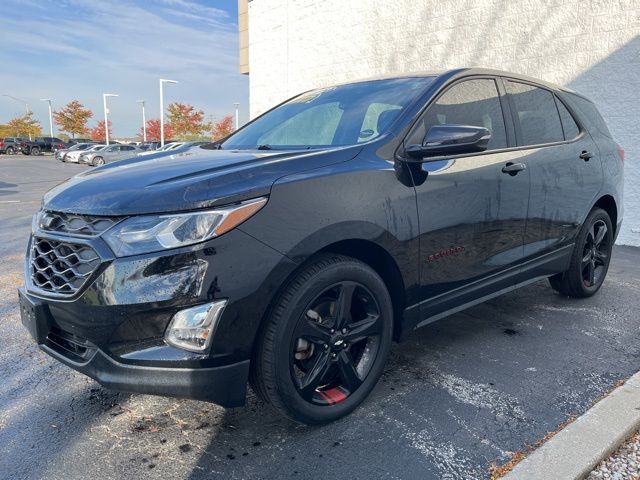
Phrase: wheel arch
[368,252]
[608,204]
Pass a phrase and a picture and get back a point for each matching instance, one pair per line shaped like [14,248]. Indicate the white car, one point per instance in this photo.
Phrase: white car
[167,147]
[74,156]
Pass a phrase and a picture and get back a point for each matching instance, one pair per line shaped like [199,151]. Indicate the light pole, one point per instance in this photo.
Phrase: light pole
[162,82]
[106,114]
[144,121]
[26,105]
[237,121]
[48,100]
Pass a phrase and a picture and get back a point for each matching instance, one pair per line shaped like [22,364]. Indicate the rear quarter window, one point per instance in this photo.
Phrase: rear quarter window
[587,109]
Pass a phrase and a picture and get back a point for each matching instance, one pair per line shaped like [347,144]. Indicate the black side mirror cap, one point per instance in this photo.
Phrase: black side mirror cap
[450,140]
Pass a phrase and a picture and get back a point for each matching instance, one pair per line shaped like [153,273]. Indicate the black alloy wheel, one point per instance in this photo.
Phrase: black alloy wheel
[335,343]
[590,259]
[595,255]
[9,151]
[324,343]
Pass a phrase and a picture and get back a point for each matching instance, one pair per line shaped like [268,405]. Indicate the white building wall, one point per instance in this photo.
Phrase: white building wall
[590,46]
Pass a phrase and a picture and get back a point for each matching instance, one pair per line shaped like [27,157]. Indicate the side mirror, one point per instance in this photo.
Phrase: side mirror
[451,140]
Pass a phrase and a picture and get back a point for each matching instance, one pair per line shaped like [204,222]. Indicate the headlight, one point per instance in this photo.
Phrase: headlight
[151,233]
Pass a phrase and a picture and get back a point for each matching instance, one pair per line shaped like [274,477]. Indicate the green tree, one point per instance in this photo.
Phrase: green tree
[73,118]
[186,121]
[25,125]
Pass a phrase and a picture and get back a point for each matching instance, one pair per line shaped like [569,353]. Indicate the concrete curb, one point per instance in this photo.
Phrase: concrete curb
[574,451]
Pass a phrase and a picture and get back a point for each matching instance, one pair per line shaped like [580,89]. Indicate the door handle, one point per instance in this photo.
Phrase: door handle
[586,155]
[513,168]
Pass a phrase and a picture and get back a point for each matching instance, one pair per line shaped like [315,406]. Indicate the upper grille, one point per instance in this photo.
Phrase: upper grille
[74,224]
[61,267]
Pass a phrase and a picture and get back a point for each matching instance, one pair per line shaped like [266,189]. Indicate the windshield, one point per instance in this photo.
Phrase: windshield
[334,116]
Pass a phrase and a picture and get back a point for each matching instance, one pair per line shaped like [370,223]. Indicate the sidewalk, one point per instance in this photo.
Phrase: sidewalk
[574,451]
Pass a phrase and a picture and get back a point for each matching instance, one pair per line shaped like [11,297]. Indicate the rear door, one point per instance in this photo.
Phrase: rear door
[472,213]
[565,170]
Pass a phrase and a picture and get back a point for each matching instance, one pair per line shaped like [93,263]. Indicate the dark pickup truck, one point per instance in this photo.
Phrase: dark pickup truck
[41,144]
[11,145]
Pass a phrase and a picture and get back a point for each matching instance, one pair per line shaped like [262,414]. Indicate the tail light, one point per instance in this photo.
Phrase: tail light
[620,152]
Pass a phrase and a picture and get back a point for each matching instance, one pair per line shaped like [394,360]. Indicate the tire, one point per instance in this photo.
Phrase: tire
[300,337]
[97,161]
[590,258]
[9,151]
[35,151]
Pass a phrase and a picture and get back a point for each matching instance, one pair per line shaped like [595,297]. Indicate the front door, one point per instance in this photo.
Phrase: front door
[472,214]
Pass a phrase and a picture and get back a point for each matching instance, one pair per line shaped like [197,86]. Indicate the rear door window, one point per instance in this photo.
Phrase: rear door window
[569,125]
[470,102]
[536,115]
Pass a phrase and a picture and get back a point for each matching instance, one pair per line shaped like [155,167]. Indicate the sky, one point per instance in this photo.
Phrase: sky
[79,49]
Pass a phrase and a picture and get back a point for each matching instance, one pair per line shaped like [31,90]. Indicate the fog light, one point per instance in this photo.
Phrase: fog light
[192,329]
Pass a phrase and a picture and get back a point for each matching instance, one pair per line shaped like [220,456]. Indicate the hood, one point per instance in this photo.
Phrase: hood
[198,178]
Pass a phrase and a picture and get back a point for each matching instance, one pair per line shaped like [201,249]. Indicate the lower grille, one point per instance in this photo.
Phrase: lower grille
[61,267]
[69,345]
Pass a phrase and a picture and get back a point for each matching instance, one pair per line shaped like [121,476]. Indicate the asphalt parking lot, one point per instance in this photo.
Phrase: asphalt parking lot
[460,395]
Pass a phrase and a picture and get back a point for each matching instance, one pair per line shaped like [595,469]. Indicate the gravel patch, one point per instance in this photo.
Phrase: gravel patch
[624,463]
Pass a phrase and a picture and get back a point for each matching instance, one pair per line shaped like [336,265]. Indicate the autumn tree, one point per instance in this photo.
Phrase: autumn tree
[185,120]
[73,118]
[25,125]
[97,133]
[153,130]
[223,128]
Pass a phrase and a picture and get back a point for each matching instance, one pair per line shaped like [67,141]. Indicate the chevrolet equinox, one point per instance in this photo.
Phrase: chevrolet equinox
[292,253]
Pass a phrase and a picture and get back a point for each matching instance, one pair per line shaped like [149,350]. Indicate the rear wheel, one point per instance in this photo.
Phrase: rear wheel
[325,342]
[35,151]
[9,151]
[590,258]
[97,161]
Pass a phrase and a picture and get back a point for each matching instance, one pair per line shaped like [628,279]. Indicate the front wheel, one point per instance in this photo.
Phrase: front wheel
[590,258]
[35,151]
[98,161]
[325,342]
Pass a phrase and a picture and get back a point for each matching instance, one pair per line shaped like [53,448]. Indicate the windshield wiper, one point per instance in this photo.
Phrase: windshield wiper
[264,147]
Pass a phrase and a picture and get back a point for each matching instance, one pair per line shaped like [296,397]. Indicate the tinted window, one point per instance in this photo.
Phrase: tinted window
[588,109]
[537,114]
[472,102]
[569,125]
[330,116]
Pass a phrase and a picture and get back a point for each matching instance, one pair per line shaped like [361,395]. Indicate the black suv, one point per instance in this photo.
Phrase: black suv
[295,251]
[11,145]
[41,144]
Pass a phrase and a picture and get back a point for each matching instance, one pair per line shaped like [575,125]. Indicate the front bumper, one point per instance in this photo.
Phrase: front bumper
[113,329]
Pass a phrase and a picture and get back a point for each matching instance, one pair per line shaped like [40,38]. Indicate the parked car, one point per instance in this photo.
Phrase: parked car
[109,154]
[11,145]
[74,141]
[74,156]
[295,251]
[40,145]
[77,147]
[150,145]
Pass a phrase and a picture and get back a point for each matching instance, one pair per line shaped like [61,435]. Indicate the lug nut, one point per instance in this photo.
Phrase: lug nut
[345,345]
[333,355]
[344,330]
[332,331]
[326,346]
